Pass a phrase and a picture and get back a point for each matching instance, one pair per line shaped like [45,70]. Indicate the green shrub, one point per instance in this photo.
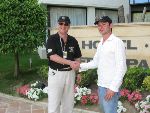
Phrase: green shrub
[133,78]
[88,77]
[146,83]
[43,72]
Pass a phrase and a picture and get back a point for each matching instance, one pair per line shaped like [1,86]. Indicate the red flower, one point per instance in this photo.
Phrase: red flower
[84,99]
[23,89]
[134,97]
[124,92]
[93,98]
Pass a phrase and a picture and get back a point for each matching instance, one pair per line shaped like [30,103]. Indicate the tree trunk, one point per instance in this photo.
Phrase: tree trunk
[16,72]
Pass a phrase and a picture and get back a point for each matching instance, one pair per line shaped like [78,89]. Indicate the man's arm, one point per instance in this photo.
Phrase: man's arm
[60,60]
[90,65]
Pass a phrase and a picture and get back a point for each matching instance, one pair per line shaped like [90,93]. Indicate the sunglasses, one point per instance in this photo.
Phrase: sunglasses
[65,24]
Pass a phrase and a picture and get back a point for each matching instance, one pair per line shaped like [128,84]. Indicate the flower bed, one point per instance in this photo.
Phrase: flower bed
[131,96]
[85,98]
[35,91]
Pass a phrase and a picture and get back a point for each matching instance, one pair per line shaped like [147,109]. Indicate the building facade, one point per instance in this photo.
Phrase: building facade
[83,12]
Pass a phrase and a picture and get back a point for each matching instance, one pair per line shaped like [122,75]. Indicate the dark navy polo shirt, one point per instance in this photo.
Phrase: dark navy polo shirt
[56,45]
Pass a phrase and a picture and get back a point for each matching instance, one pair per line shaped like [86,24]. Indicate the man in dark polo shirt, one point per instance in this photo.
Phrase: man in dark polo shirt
[63,54]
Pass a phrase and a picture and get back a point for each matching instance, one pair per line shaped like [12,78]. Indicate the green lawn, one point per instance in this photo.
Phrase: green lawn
[8,83]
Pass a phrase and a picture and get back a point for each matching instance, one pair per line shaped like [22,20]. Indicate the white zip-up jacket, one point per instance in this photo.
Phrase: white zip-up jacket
[110,61]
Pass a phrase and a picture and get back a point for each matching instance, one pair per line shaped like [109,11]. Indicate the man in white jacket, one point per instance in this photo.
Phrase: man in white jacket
[110,61]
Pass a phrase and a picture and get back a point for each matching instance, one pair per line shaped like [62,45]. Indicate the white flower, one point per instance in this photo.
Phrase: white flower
[124,109]
[118,110]
[148,98]
[120,107]
[77,89]
[78,98]
[35,84]
[137,105]
[84,93]
[143,103]
[88,91]
[76,94]
[119,103]
[45,90]
[84,88]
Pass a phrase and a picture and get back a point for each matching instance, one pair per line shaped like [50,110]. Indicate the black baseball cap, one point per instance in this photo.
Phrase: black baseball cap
[102,19]
[64,19]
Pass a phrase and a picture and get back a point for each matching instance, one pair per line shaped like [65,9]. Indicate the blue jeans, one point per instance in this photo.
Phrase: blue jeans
[107,106]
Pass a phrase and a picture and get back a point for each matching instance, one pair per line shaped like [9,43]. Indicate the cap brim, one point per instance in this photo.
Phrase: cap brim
[101,21]
[64,21]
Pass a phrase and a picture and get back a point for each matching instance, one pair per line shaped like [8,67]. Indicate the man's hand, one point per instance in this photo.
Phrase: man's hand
[75,65]
[109,94]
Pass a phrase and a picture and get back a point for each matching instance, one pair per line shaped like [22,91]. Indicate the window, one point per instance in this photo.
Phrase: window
[138,17]
[76,15]
[139,1]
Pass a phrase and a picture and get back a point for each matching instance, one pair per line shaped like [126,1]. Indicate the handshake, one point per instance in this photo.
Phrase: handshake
[75,65]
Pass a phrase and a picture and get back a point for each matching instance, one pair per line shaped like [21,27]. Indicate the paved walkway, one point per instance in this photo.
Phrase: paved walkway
[10,104]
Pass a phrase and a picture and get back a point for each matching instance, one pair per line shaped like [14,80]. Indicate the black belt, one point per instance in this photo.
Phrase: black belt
[67,69]
[63,69]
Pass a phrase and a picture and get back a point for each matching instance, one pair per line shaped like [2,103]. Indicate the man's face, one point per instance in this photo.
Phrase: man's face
[104,27]
[63,27]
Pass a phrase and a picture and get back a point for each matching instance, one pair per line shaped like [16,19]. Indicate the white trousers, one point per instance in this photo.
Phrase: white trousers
[61,91]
